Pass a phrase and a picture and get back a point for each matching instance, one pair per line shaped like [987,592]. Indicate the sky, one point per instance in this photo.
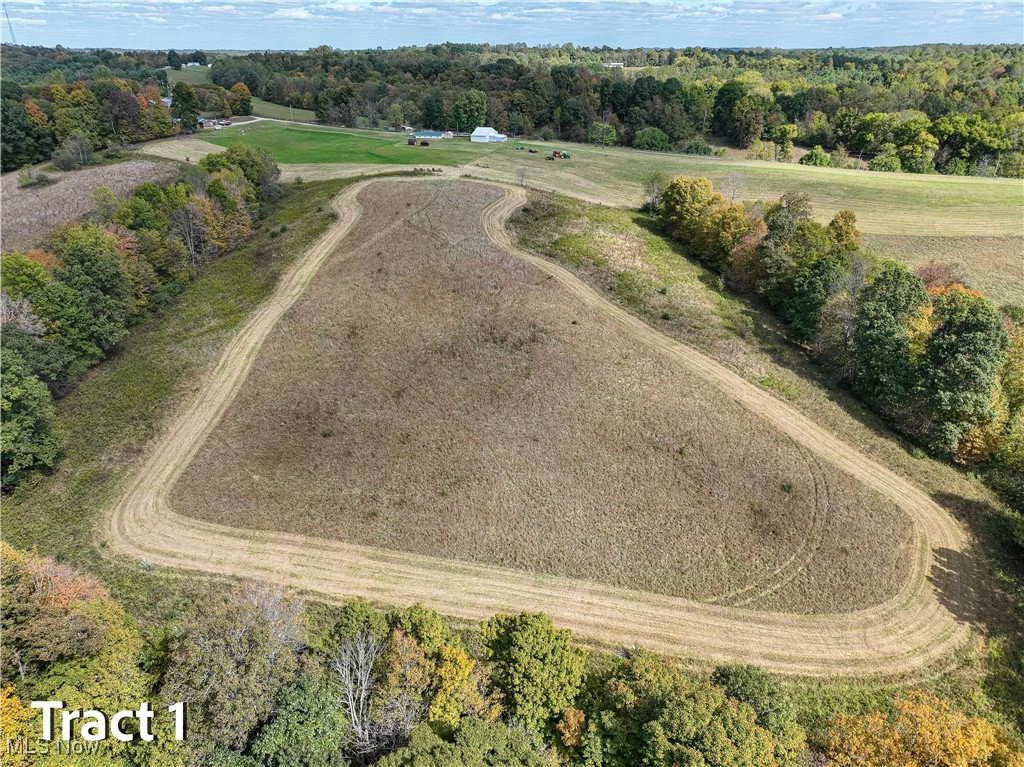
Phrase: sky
[355,24]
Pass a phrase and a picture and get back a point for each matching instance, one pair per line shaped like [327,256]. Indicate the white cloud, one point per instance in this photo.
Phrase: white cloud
[290,13]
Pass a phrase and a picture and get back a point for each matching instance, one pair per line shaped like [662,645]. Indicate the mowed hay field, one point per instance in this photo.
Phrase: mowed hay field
[975,223]
[291,143]
[434,394]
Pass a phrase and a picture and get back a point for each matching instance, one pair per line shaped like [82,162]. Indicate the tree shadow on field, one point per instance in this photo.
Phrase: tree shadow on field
[985,586]
[954,576]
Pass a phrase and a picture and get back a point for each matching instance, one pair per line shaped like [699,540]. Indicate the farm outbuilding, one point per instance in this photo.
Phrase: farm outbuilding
[483,135]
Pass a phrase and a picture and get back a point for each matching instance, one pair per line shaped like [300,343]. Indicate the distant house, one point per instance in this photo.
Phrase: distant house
[204,122]
[166,100]
[483,135]
[615,65]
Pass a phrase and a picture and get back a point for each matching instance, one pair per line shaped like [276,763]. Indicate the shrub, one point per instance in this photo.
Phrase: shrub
[75,152]
[1011,165]
[886,161]
[653,140]
[762,150]
[956,167]
[698,146]
[28,178]
[817,157]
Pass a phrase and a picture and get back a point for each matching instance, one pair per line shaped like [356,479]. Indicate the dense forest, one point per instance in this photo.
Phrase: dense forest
[940,108]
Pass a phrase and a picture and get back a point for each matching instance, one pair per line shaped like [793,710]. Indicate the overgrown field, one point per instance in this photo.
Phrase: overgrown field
[30,213]
[316,144]
[432,393]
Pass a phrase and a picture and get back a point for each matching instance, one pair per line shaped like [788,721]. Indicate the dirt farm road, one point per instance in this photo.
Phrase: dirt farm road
[912,630]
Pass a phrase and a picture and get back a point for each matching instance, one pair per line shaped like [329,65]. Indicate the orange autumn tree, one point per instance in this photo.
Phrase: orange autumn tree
[920,731]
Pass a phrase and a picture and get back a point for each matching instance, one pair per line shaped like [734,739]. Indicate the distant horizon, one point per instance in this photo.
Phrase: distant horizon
[297,25]
[242,51]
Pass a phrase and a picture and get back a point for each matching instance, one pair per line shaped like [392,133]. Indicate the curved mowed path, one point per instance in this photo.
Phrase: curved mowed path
[912,630]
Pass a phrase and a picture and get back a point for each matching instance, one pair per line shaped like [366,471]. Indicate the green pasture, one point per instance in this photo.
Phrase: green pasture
[190,75]
[262,108]
[974,223]
[292,144]
[885,203]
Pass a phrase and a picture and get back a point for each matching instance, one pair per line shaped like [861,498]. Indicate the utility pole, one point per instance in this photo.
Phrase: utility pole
[9,26]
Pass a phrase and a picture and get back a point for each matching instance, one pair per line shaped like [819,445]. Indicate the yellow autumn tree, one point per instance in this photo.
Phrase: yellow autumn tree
[14,725]
[460,690]
[920,731]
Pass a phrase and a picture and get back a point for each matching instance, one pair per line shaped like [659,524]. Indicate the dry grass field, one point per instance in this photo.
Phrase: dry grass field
[435,394]
[29,214]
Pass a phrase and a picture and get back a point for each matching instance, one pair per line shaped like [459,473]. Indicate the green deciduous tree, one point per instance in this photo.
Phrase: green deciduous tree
[535,666]
[185,105]
[94,268]
[21,276]
[474,744]
[653,140]
[307,728]
[645,712]
[683,205]
[961,363]
[27,441]
[469,111]
[885,373]
[77,112]
[771,703]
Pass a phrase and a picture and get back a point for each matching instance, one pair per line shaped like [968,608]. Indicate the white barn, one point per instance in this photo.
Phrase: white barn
[483,135]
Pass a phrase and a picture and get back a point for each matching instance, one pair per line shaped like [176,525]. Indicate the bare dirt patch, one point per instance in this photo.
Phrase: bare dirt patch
[432,393]
[29,214]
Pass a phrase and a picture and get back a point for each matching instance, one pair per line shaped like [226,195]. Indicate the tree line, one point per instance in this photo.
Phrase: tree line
[270,681]
[62,105]
[106,111]
[932,356]
[953,109]
[68,304]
